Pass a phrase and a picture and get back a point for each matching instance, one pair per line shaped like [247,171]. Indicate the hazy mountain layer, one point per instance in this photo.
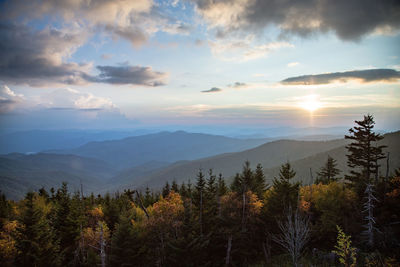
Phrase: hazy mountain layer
[269,155]
[20,173]
[162,147]
[303,155]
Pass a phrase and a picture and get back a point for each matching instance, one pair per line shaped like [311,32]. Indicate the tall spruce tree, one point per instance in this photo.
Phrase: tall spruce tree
[259,181]
[363,153]
[36,240]
[328,172]
[199,197]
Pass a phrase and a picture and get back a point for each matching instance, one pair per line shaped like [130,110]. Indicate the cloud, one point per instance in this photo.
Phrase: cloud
[68,98]
[40,59]
[136,36]
[244,49]
[35,58]
[349,20]
[212,90]
[106,56]
[8,99]
[134,21]
[238,85]
[134,75]
[365,76]
[292,64]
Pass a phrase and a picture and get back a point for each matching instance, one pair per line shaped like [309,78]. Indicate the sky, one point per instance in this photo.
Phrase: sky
[99,64]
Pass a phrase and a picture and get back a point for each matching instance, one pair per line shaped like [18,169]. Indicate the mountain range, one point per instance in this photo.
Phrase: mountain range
[153,159]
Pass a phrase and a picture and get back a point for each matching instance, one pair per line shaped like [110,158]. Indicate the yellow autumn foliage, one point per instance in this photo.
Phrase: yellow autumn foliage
[7,243]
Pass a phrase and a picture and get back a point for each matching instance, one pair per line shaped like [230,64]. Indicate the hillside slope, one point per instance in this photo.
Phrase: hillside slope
[303,155]
[315,162]
[162,147]
[269,155]
[20,173]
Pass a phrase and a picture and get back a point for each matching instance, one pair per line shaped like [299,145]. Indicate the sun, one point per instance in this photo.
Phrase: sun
[310,103]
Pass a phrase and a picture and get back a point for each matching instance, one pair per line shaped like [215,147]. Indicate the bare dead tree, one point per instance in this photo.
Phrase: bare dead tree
[228,251]
[266,245]
[294,235]
[141,204]
[102,247]
[369,206]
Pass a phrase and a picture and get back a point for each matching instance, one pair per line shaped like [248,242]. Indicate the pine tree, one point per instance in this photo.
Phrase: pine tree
[282,195]
[247,177]
[259,181]
[148,197]
[122,243]
[328,173]
[66,226]
[286,172]
[36,240]
[363,153]
[200,188]
[166,190]
[222,188]
[174,187]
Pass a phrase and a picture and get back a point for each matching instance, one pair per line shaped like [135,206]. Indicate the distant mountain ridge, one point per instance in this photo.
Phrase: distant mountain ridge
[20,173]
[269,155]
[162,147]
[303,155]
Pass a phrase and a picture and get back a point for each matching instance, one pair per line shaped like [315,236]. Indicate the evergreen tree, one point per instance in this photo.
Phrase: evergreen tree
[183,190]
[148,197]
[236,185]
[123,243]
[221,186]
[36,240]
[247,177]
[259,181]
[363,153]
[174,187]
[211,185]
[66,226]
[211,202]
[166,190]
[286,172]
[200,188]
[280,197]
[328,173]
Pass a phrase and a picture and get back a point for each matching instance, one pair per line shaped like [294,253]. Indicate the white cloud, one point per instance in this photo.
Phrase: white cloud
[72,99]
[8,99]
[293,64]
[235,49]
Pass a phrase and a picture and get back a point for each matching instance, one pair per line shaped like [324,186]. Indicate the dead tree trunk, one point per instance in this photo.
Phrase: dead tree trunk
[369,218]
[266,245]
[244,211]
[201,213]
[102,247]
[228,251]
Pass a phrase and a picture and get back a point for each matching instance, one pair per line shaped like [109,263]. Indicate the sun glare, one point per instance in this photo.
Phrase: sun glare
[310,103]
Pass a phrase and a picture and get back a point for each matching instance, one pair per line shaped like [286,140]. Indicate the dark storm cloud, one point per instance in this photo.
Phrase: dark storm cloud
[212,90]
[373,75]
[134,75]
[348,19]
[37,59]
